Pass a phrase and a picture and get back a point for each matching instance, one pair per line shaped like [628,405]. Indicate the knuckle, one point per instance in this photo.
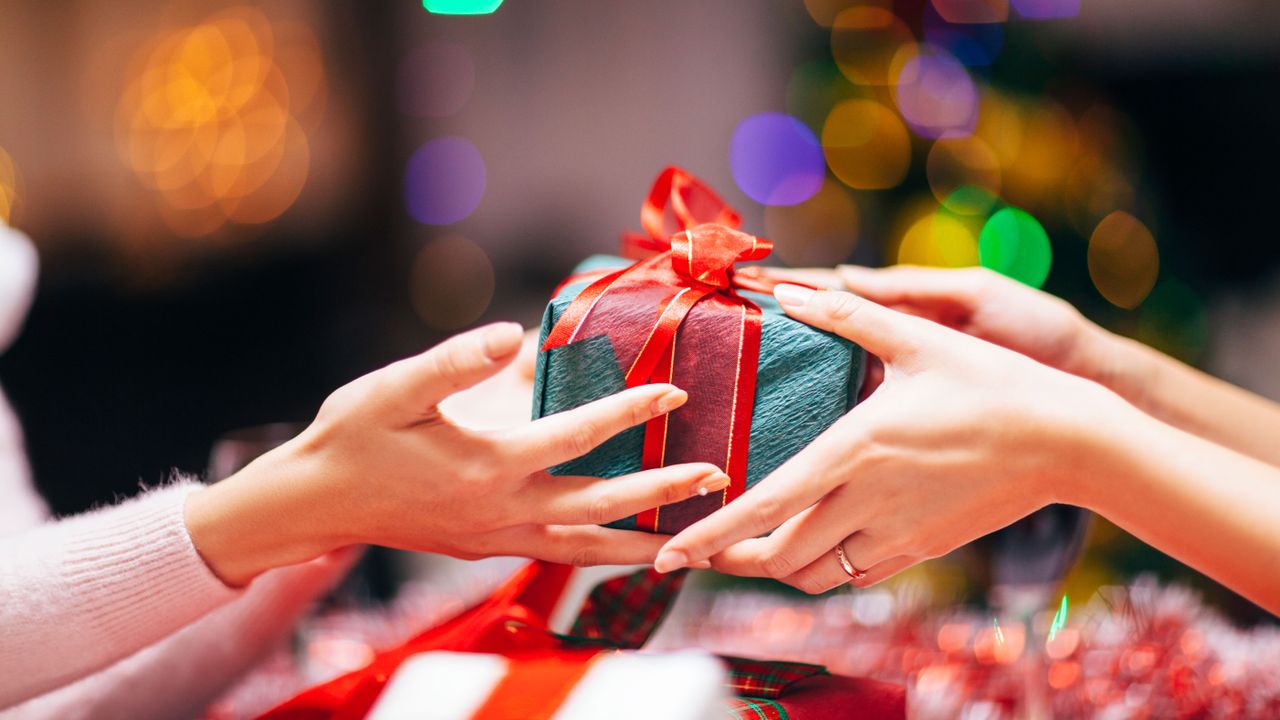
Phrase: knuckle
[765,513]
[585,556]
[673,492]
[581,439]
[810,585]
[600,510]
[842,306]
[777,564]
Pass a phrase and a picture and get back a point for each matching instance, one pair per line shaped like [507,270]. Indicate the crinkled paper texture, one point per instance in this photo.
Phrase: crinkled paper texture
[806,380]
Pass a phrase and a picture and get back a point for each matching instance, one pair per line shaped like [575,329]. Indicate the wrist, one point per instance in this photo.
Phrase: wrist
[258,519]
[1117,363]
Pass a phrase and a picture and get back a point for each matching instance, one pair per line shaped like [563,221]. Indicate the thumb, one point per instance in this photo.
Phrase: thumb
[456,364]
[883,332]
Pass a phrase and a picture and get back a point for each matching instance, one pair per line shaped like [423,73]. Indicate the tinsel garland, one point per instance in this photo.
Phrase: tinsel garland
[1142,651]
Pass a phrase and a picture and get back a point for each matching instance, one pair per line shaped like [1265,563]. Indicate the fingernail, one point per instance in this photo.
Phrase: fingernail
[669,560]
[502,339]
[719,481]
[701,565]
[792,295]
[669,401]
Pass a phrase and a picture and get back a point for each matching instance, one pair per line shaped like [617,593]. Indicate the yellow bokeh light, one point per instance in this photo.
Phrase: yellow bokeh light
[452,283]
[1048,151]
[956,162]
[864,40]
[866,145]
[939,239]
[1000,126]
[214,119]
[820,231]
[1123,259]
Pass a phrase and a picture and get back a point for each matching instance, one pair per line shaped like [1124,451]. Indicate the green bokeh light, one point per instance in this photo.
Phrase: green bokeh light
[970,200]
[1013,243]
[461,7]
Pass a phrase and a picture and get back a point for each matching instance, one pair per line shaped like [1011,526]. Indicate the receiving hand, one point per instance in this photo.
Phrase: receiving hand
[961,439]
[982,303]
[382,464]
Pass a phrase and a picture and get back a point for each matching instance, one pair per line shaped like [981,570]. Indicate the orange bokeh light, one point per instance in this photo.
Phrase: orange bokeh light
[213,119]
[864,40]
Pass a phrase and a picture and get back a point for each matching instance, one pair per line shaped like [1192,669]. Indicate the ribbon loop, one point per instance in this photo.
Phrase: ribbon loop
[700,331]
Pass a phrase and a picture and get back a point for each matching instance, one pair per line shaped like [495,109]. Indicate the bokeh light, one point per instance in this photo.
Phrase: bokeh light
[8,186]
[444,181]
[1014,243]
[461,7]
[1046,9]
[938,239]
[436,79]
[1123,260]
[824,12]
[776,159]
[954,163]
[935,93]
[820,231]
[971,200]
[1000,126]
[866,145]
[212,119]
[972,11]
[864,40]
[452,283]
[975,45]
[1046,155]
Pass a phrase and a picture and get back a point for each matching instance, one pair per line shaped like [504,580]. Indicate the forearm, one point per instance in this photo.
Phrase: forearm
[1212,508]
[180,675]
[1186,398]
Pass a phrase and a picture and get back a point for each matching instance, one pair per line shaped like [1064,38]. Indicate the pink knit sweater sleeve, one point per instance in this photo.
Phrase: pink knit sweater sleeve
[85,592]
[180,676]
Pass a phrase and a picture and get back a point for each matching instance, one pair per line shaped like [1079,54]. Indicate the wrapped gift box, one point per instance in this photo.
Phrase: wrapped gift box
[805,380]
[470,686]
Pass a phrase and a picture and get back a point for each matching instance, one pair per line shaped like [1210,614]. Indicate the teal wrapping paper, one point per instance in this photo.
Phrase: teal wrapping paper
[806,380]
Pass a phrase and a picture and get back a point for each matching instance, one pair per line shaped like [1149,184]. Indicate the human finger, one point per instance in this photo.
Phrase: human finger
[797,542]
[883,332]
[455,364]
[826,573]
[913,284]
[577,500]
[573,433]
[580,545]
[796,485]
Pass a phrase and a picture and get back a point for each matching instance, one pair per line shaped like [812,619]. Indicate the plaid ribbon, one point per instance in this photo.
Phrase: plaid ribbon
[755,709]
[624,612]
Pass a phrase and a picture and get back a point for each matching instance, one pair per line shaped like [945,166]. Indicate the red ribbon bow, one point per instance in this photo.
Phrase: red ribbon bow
[675,316]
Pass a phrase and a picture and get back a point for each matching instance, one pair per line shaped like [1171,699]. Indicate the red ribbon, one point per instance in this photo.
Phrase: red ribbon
[675,316]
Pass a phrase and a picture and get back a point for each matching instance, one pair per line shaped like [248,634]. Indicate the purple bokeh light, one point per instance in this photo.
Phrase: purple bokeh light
[1046,9]
[936,95]
[776,159]
[444,181]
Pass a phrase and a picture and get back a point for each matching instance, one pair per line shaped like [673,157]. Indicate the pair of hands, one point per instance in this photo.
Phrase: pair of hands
[959,437]
[383,463]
